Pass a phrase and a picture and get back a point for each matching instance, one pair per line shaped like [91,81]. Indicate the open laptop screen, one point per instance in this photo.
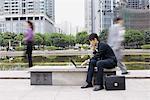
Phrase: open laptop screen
[76,65]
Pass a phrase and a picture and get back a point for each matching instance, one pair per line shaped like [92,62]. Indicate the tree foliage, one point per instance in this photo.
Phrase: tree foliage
[103,35]
[82,38]
[134,38]
[147,37]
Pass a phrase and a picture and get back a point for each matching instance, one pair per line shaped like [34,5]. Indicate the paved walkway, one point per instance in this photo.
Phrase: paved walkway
[137,89]
[26,74]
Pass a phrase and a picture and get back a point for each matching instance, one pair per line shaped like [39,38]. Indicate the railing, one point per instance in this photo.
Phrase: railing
[69,52]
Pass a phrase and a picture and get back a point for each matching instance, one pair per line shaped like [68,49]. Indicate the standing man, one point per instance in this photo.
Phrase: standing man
[29,36]
[115,39]
[104,57]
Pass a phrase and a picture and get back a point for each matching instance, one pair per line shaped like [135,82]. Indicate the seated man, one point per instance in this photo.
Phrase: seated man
[104,57]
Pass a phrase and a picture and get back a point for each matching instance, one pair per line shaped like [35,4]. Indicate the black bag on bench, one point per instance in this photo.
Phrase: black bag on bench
[115,82]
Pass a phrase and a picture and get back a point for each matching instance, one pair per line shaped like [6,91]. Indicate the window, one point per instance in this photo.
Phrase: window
[15,18]
[22,18]
[30,18]
[23,4]
[36,18]
[23,11]
[8,19]
[41,18]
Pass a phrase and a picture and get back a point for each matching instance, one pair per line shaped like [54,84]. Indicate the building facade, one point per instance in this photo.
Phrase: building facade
[106,13]
[137,19]
[99,15]
[137,15]
[88,13]
[138,4]
[14,14]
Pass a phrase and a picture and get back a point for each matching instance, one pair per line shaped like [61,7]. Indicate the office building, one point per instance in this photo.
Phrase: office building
[14,14]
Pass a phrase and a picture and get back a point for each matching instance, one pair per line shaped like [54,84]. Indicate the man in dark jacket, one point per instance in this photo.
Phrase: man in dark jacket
[104,57]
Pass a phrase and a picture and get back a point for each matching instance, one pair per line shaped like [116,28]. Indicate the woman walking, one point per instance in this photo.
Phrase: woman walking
[29,39]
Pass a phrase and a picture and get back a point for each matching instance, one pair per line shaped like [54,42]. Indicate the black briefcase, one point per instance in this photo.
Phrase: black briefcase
[115,82]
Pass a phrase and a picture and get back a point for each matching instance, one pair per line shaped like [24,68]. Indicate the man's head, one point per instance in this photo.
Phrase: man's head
[94,39]
[118,20]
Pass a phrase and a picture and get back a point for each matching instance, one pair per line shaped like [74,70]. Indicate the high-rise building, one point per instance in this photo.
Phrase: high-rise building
[14,13]
[138,4]
[67,28]
[88,18]
[106,13]
[99,15]
[136,15]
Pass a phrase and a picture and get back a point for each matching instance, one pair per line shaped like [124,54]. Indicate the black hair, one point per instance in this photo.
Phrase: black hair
[31,24]
[117,19]
[93,36]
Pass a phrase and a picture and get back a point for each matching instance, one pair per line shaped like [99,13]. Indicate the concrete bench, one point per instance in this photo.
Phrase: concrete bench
[60,75]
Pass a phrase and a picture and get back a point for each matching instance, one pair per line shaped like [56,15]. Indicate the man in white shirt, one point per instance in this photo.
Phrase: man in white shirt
[115,39]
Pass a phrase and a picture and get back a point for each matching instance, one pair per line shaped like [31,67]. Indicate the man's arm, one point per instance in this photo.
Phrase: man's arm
[85,62]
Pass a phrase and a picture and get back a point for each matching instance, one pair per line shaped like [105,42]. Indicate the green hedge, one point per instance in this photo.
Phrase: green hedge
[85,47]
[147,46]
[51,48]
[19,48]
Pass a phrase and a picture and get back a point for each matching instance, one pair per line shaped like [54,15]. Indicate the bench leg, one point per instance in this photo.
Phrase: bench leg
[41,78]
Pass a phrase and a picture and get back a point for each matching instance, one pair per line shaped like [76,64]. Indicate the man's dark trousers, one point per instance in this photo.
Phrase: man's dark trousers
[100,64]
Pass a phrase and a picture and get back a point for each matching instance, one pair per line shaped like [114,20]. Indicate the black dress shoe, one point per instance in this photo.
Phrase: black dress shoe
[87,85]
[125,73]
[98,87]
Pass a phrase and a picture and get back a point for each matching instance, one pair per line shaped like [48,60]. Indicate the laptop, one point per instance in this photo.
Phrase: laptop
[76,65]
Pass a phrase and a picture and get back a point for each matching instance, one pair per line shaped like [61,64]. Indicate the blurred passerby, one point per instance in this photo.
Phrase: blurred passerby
[115,39]
[29,39]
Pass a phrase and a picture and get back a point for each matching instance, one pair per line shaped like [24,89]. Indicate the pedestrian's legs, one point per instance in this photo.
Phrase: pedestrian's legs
[30,60]
[29,52]
[119,56]
[90,72]
[122,66]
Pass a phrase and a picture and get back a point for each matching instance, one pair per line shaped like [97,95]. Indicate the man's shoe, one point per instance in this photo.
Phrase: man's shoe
[125,73]
[87,85]
[98,87]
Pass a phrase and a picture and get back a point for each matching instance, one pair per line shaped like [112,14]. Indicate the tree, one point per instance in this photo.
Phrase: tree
[47,37]
[134,39]
[58,40]
[82,38]
[103,36]
[38,40]
[1,39]
[147,37]
[71,40]
[8,37]
[19,38]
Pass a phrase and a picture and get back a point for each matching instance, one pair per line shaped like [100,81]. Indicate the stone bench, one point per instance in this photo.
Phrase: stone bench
[60,75]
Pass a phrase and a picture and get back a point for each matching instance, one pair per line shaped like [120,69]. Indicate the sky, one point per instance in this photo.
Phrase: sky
[71,11]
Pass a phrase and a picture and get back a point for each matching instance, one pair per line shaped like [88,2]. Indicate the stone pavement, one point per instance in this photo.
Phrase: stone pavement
[20,89]
[26,74]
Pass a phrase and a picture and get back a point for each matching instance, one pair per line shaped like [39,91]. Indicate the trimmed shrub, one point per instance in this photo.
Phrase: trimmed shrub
[147,46]
[19,48]
[52,48]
